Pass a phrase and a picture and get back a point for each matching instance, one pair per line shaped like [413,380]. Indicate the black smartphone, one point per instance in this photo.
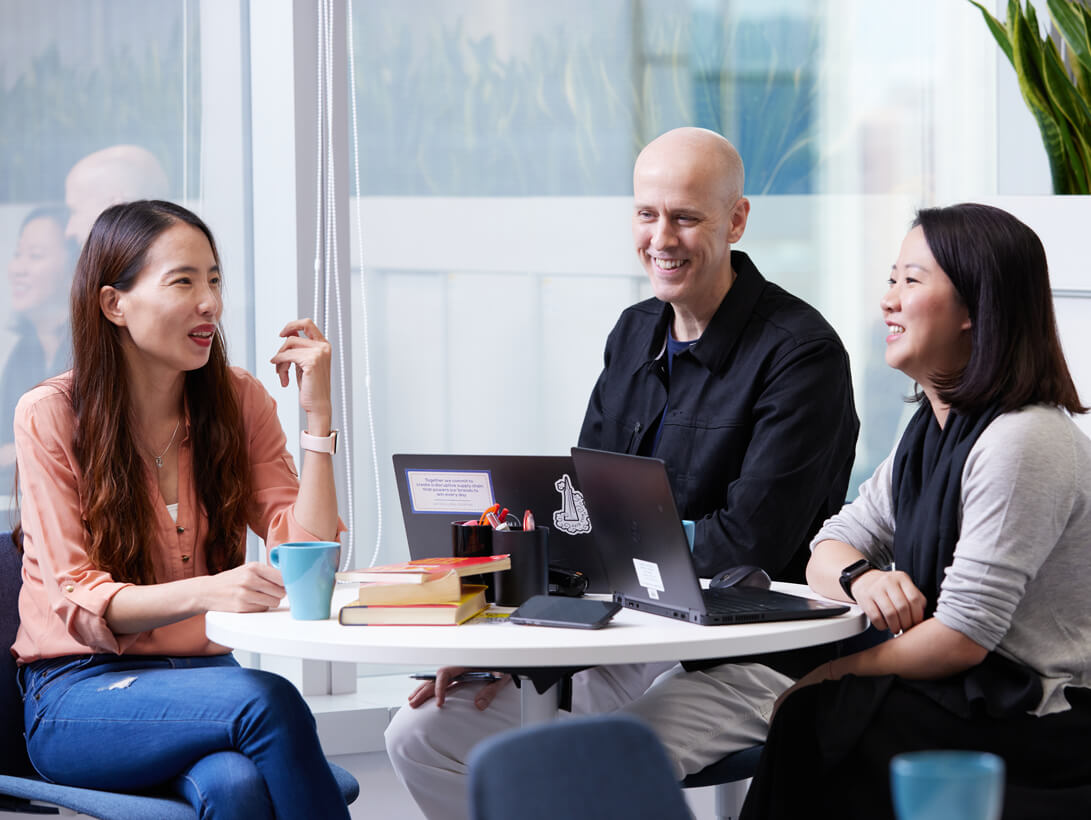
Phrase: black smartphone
[472,675]
[550,610]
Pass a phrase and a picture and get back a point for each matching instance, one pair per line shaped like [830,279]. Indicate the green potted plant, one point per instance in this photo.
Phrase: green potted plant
[1055,86]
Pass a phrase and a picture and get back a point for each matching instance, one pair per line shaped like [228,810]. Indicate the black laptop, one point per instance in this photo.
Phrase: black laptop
[437,489]
[643,546]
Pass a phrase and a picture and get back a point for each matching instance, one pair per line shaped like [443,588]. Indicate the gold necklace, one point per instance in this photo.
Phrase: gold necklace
[159,458]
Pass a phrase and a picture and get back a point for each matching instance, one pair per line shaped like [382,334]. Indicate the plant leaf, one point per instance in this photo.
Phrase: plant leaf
[1075,177]
[1070,20]
[1000,34]
[1069,105]
[1082,71]
[1026,57]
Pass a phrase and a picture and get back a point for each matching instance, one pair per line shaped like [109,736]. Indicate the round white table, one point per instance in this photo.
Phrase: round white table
[631,637]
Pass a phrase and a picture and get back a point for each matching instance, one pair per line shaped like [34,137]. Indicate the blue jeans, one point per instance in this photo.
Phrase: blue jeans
[234,742]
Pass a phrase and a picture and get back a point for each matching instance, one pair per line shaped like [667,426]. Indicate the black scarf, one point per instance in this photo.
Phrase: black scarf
[927,493]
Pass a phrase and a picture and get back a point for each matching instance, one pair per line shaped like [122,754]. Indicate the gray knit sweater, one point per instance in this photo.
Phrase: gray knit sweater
[1020,582]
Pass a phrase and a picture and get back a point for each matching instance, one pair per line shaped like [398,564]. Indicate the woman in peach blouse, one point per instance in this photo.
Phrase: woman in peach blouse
[140,471]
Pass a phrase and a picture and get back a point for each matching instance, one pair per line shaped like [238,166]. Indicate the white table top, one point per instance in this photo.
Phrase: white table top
[631,637]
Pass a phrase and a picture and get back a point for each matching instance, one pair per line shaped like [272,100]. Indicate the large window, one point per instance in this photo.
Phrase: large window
[77,80]
[103,101]
[497,142]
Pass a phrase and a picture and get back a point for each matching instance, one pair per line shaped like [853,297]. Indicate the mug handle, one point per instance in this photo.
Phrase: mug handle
[274,556]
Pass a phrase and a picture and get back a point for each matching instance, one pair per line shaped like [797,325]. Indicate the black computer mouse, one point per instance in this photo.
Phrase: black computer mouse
[741,576]
[568,582]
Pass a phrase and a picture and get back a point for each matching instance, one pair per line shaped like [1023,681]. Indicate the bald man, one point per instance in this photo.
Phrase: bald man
[744,392]
[120,173]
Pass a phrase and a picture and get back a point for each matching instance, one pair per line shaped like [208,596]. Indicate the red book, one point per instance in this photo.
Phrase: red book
[426,569]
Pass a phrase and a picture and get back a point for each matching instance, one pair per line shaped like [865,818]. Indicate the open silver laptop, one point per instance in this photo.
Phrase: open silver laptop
[643,545]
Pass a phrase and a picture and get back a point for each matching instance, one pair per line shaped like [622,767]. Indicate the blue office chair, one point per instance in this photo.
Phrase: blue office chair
[21,789]
[580,769]
[731,776]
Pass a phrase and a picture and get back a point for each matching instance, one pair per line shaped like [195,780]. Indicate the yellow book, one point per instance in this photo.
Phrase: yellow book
[439,589]
[471,602]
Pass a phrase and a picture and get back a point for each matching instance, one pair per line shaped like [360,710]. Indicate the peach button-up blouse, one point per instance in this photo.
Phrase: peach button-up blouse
[64,596]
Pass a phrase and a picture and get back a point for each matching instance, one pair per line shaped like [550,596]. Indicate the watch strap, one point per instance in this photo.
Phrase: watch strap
[318,444]
[853,571]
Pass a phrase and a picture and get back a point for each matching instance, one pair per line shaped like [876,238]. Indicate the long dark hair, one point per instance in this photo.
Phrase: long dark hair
[117,507]
[998,266]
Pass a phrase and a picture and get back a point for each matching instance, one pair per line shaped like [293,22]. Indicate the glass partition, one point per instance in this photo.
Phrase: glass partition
[496,148]
[103,101]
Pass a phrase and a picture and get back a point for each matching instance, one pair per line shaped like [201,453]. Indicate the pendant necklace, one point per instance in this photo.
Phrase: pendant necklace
[159,458]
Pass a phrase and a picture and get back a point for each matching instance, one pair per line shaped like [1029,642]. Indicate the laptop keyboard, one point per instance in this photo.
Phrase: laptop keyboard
[726,602]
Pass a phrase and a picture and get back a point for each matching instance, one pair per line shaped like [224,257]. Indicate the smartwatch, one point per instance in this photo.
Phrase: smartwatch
[319,444]
[852,572]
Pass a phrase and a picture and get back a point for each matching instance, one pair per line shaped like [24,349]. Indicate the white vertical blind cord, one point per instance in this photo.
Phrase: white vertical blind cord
[332,251]
[327,284]
[331,176]
[319,170]
[185,103]
[363,289]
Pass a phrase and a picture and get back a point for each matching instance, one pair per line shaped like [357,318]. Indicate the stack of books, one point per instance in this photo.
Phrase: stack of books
[426,591]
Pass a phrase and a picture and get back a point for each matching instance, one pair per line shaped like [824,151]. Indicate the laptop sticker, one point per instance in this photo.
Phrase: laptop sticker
[648,576]
[449,491]
[572,517]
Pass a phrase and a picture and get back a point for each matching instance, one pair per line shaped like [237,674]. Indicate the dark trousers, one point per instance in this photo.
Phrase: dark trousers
[820,760]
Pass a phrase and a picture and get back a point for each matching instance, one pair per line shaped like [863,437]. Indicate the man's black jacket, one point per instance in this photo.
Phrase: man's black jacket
[759,432]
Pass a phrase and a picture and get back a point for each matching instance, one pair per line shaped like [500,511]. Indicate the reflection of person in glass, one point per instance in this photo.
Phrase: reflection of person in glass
[120,173]
[38,277]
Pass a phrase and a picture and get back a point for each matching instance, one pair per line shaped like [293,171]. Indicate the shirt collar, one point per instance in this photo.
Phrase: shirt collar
[727,323]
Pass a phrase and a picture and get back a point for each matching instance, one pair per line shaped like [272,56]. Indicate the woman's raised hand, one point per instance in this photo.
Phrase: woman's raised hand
[308,351]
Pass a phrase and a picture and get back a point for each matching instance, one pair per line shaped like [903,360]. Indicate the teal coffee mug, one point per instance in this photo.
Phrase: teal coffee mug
[308,568]
[947,785]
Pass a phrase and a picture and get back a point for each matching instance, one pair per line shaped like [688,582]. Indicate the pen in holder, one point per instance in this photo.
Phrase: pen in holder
[529,573]
[470,539]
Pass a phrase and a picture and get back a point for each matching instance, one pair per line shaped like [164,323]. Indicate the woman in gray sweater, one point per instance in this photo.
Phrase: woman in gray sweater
[971,544]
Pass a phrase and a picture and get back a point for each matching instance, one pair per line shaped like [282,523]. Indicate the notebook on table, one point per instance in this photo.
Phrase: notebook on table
[643,546]
[435,490]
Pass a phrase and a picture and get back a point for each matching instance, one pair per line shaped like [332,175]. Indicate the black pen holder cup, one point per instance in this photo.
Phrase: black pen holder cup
[529,573]
[474,540]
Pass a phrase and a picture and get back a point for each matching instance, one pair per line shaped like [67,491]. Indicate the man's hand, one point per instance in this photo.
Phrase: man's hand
[448,677]
[889,599]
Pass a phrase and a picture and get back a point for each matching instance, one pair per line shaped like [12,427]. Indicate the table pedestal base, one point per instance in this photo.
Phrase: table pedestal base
[538,708]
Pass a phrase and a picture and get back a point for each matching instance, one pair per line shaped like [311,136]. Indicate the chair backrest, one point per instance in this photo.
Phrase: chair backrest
[579,769]
[13,756]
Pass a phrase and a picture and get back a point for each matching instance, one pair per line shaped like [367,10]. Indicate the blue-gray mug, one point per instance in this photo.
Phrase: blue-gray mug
[308,569]
[947,785]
